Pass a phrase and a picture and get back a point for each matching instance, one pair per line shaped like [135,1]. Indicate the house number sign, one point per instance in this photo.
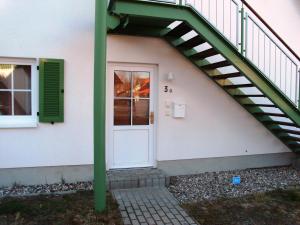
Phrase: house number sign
[167,89]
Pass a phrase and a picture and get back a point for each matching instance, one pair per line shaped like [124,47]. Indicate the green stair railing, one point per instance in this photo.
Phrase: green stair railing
[241,25]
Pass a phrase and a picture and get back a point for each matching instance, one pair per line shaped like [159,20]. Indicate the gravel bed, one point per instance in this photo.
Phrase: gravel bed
[57,188]
[213,185]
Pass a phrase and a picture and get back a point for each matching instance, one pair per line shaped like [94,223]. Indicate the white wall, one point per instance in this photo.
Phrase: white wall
[52,29]
[215,125]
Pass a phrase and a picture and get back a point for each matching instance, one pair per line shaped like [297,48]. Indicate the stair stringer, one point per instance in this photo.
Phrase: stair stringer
[154,10]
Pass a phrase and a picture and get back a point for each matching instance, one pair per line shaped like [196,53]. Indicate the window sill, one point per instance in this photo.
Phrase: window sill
[18,122]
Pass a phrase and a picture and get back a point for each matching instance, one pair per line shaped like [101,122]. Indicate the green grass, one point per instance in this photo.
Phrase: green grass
[280,207]
[60,209]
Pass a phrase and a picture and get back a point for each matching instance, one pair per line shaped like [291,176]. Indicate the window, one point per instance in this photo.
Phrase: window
[17,95]
[131,98]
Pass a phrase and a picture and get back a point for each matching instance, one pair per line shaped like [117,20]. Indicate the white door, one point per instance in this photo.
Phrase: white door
[130,117]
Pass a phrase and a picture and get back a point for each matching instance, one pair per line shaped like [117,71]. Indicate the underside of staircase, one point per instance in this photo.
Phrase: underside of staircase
[212,53]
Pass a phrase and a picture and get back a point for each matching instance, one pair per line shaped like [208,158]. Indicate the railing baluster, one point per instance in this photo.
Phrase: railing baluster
[264,53]
[246,35]
[270,58]
[209,10]
[242,30]
[258,49]
[285,80]
[276,64]
[216,14]
[271,61]
[298,86]
[291,86]
[252,41]
[223,16]
[280,80]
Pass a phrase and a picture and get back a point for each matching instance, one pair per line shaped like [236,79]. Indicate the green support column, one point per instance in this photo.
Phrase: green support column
[99,105]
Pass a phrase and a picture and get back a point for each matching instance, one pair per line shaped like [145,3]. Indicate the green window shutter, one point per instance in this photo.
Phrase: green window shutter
[51,90]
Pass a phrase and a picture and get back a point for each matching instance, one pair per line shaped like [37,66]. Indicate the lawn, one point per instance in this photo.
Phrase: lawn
[280,207]
[70,209]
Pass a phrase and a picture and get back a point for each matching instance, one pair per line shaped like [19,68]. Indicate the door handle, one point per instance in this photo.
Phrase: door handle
[151,117]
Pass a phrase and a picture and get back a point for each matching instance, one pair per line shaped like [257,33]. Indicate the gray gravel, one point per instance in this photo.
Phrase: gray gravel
[58,188]
[213,185]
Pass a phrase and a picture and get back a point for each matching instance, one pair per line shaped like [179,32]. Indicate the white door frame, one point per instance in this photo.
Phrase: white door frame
[109,107]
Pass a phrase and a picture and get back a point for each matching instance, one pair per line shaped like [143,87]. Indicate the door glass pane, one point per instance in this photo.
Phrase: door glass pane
[5,76]
[22,103]
[122,112]
[141,84]
[5,103]
[140,112]
[122,84]
[22,77]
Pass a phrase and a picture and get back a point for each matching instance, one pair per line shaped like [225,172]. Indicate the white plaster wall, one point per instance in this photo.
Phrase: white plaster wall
[52,29]
[215,125]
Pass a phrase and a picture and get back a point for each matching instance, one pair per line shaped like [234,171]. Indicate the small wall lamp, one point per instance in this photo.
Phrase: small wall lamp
[170,76]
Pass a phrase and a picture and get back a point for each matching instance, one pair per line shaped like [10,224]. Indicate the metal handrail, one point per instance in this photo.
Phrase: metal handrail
[255,40]
[243,27]
[270,29]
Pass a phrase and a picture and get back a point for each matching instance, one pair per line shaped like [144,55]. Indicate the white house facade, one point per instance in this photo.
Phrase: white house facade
[161,110]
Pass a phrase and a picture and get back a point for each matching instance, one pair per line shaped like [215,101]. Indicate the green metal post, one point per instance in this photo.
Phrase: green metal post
[242,30]
[99,105]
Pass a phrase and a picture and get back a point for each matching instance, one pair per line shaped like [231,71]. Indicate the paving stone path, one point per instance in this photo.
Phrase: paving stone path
[150,205]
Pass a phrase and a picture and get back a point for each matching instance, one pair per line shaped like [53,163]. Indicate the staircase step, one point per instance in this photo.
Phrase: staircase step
[193,42]
[278,130]
[226,76]
[135,178]
[273,122]
[179,31]
[296,150]
[259,105]
[294,145]
[289,138]
[233,86]
[216,65]
[204,54]
[249,96]
[269,114]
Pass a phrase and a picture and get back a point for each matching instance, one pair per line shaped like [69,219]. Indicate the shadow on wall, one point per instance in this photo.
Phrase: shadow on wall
[297,4]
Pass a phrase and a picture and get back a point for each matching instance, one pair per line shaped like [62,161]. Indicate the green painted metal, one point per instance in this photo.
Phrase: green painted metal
[211,73]
[136,25]
[152,10]
[51,90]
[99,105]
[112,22]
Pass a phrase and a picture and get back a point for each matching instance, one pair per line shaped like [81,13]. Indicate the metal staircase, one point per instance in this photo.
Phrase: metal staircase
[225,63]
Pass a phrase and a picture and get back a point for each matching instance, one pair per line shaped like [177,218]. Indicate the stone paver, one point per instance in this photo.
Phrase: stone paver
[150,205]
[136,178]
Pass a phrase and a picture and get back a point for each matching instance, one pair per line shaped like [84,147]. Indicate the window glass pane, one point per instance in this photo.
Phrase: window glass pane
[5,76]
[122,112]
[22,103]
[22,77]
[141,84]
[122,84]
[140,112]
[5,103]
